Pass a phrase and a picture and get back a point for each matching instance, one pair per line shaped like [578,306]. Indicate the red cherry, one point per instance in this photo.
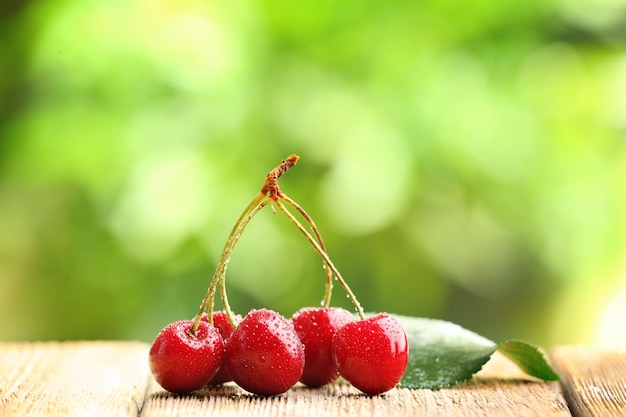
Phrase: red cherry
[315,328]
[182,361]
[372,354]
[264,354]
[226,329]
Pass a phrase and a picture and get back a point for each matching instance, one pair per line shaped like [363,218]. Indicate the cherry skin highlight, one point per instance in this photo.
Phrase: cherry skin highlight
[264,354]
[226,329]
[316,328]
[372,354]
[182,361]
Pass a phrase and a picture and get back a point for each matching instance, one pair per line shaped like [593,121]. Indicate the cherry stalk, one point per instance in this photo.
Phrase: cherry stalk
[270,192]
[257,203]
[326,259]
[276,195]
[329,273]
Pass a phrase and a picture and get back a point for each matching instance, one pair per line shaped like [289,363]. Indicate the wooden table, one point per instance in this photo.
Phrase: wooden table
[113,379]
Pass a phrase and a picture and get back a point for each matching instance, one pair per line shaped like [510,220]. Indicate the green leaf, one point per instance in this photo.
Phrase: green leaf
[442,354]
[529,358]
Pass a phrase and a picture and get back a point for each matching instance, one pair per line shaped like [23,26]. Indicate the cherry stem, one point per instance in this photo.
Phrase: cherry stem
[258,202]
[329,273]
[325,257]
[222,279]
[269,192]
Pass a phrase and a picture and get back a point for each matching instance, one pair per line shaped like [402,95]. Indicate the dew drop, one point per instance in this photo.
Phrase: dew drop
[262,358]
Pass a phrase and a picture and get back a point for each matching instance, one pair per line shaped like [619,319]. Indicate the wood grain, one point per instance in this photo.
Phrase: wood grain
[594,380]
[73,379]
[112,379]
[477,398]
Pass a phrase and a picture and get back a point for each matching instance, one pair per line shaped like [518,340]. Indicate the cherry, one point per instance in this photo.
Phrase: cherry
[184,361]
[226,329]
[264,354]
[315,328]
[372,354]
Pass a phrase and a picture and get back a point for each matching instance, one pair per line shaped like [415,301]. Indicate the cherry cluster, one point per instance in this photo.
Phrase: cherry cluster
[265,353]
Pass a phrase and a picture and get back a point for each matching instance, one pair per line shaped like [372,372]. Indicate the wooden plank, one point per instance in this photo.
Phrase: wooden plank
[73,379]
[113,379]
[484,398]
[499,390]
[594,380]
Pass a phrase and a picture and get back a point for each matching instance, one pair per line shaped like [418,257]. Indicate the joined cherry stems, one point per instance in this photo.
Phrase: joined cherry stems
[270,193]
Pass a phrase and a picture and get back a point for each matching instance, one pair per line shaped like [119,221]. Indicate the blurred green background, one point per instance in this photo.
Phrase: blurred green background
[463,160]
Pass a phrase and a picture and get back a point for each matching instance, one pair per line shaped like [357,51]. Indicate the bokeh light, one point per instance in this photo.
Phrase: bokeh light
[464,162]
